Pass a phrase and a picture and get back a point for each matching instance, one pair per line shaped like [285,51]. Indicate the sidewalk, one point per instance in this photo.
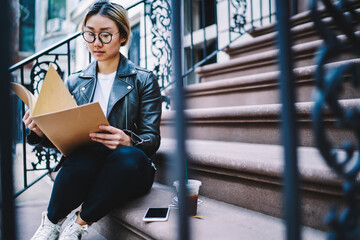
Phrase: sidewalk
[31,203]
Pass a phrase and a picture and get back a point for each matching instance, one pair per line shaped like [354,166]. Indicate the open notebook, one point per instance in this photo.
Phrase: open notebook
[56,113]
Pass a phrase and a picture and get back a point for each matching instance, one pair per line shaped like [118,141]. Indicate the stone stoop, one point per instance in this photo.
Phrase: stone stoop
[257,89]
[298,19]
[250,176]
[263,61]
[220,221]
[253,124]
[264,38]
[233,127]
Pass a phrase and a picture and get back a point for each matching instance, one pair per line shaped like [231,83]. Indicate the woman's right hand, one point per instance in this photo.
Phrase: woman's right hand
[31,124]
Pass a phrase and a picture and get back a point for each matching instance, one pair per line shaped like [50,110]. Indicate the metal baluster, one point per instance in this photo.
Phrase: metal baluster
[160,12]
[295,7]
[229,21]
[269,11]
[217,26]
[252,13]
[68,57]
[288,119]
[6,163]
[191,35]
[203,26]
[261,15]
[183,233]
[145,33]
[23,132]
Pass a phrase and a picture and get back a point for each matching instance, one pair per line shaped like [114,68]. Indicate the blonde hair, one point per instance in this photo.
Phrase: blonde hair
[113,11]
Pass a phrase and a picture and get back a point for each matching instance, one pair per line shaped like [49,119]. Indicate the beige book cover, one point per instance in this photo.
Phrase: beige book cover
[56,113]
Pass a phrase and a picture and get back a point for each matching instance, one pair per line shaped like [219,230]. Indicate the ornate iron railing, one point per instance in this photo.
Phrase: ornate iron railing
[329,85]
[46,159]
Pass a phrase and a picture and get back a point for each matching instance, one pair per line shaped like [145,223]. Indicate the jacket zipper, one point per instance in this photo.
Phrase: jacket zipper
[126,112]
[126,108]
[84,97]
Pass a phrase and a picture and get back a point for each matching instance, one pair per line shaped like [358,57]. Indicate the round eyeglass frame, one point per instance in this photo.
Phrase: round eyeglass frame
[99,36]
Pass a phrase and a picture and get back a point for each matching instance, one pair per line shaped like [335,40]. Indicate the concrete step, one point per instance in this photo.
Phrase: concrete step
[302,33]
[252,124]
[220,221]
[250,176]
[256,89]
[263,62]
[297,20]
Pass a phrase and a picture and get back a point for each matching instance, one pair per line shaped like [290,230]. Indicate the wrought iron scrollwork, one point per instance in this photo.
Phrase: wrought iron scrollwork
[46,156]
[37,76]
[329,84]
[239,16]
[160,15]
[38,72]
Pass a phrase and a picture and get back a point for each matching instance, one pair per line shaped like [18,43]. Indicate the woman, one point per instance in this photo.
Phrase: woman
[117,168]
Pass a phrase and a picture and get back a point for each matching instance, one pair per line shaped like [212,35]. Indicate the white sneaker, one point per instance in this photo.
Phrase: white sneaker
[47,229]
[73,231]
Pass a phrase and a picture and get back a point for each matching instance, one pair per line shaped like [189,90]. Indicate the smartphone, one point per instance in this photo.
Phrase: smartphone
[158,214]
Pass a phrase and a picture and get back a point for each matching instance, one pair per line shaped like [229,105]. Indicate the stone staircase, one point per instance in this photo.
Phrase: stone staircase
[233,146]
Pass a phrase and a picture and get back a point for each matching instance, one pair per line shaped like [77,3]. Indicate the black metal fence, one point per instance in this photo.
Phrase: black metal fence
[7,226]
[329,82]
[289,123]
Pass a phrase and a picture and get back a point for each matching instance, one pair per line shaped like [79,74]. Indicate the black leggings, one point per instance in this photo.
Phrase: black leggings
[100,179]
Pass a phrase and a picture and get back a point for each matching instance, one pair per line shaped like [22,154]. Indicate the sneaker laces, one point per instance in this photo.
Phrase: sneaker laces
[45,231]
[73,231]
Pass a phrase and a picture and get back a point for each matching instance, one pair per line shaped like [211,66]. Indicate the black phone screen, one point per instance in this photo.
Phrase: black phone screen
[157,212]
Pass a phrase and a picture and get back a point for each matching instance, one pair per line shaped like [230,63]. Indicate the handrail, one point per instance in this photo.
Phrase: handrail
[135,4]
[43,52]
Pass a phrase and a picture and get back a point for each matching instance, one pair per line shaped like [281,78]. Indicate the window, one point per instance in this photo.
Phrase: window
[56,15]
[27,25]
[199,15]
[134,48]
[198,53]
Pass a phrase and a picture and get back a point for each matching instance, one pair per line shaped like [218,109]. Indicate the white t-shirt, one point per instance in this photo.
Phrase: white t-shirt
[103,89]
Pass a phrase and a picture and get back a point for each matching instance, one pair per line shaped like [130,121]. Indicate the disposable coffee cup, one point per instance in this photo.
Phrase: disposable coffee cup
[192,187]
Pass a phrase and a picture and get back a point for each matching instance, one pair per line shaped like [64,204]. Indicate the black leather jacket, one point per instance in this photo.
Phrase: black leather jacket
[134,102]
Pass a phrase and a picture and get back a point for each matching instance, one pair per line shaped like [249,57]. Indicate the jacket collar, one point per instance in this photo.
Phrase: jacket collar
[125,68]
[120,87]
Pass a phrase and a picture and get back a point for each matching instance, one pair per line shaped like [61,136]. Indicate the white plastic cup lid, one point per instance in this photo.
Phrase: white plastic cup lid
[192,186]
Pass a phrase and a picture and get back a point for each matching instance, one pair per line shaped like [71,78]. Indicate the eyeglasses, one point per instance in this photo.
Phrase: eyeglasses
[104,37]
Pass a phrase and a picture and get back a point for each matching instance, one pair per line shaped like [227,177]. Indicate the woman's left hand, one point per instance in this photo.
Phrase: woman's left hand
[113,139]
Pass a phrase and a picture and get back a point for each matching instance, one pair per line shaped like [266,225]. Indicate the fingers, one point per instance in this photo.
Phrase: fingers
[113,139]
[107,143]
[105,136]
[31,124]
[113,133]
[110,129]
[27,114]
[26,119]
